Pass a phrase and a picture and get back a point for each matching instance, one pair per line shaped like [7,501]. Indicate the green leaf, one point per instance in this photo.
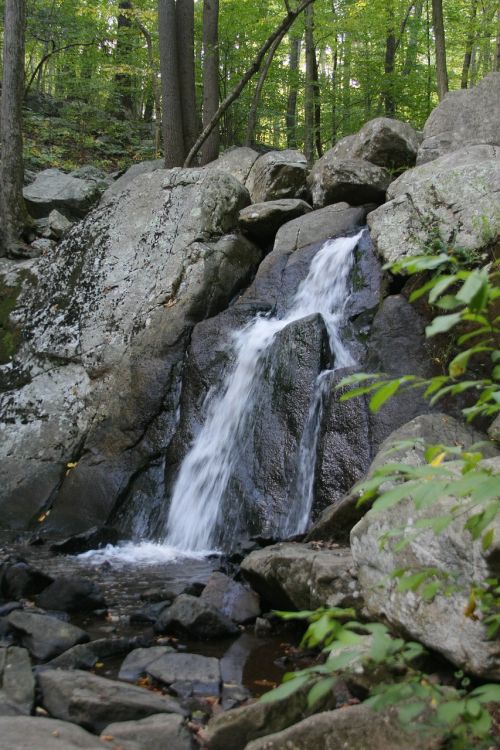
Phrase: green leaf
[449,712]
[474,292]
[411,711]
[442,323]
[441,286]
[487,539]
[489,693]
[284,690]
[383,394]
[319,690]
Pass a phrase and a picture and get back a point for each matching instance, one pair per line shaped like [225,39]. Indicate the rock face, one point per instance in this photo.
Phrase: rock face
[53,189]
[91,393]
[440,623]
[383,141]
[302,576]
[356,181]
[94,702]
[464,117]
[143,167]
[236,161]
[454,197]
[276,175]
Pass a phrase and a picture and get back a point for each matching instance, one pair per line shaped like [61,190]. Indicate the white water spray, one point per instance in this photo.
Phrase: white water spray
[205,471]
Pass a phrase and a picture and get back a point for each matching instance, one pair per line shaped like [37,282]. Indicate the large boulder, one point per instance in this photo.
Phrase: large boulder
[442,622]
[45,637]
[352,727]
[465,117]
[236,601]
[454,197]
[276,175]
[72,594]
[142,167]
[354,180]
[92,385]
[94,702]
[301,576]
[383,141]
[53,189]
[237,161]
[197,618]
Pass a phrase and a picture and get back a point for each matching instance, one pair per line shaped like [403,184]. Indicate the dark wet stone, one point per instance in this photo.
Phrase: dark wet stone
[95,538]
[202,672]
[20,580]
[233,599]
[195,617]
[45,637]
[72,595]
[136,663]
[17,684]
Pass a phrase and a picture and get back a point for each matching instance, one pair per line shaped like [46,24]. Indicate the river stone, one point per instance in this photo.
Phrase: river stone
[123,182]
[301,576]
[53,189]
[276,175]
[237,161]
[94,702]
[232,730]
[201,672]
[262,220]
[232,598]
[454,197]
[17,684]
[464,117]
[442,623]
[72,595]
[383,141]
[20,580]
[85,656]
[338,519]
[45,637]
[352,727]
[152,733]
[30,732]
[135,664]
[189,614]
[356,181]
[104,336]
[95,538]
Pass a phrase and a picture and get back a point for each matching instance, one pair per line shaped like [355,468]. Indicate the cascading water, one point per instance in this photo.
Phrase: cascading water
[204,474]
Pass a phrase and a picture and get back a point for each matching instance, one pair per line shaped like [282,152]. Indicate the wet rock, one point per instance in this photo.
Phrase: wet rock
[453,197]
[20,580]
[150,613]
[277,175]
[94,702]
[123,182]
[383,141]
[85,656]
[58,224]
[72,595]
[27,733]
[441,623]
[233,729]
[301,576]
[201,672]
[52,189]
[353,727]
[162,730]
[464,117]
[237,602]
[95,538]
[262,220]
[17,684]
[136,663]
[104,332]
[45,637]
[195,617]
[6,609]
[356,181]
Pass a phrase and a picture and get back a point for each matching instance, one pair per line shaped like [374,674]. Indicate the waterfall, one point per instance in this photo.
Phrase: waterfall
[206,469]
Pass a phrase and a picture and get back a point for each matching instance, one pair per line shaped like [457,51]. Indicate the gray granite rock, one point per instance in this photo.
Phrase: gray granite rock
[45,637]
[29,732]
[162,730]
[17,684]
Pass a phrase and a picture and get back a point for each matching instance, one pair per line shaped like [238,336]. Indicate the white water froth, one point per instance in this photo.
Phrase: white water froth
[205,471]
[144,553]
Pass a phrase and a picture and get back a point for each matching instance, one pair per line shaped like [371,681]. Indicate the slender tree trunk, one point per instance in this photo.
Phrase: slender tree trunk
[389,60]
[310,87]
[335,124]
[185,48]
[254,107]
[317,109]
[123,81]
[173,134]
[469,45]
[440,46]
[293,83]
[155,85]
[210,150]
[14,217]
[412,48]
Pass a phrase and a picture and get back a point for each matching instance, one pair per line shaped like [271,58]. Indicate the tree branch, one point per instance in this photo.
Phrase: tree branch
[53,51]
[251,71]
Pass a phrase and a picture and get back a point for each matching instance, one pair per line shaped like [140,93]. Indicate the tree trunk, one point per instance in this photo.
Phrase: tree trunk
[310,86]
[123,80]
[187,84]
[293,83]
[173,134]
[317,108]
[440,47]
[14,217]
[254,107]
[389,60]
[210,150]
[412,48]
[469,45]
